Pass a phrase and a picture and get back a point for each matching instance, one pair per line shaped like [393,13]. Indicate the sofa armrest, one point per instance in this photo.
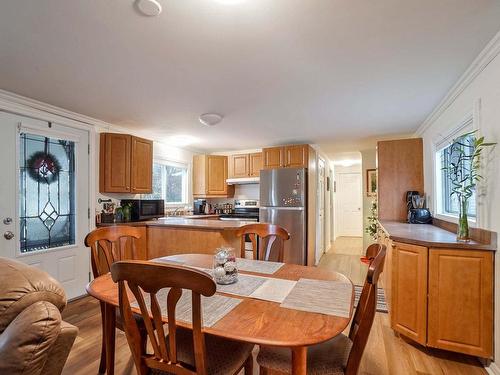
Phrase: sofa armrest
[60,350]
[28,339]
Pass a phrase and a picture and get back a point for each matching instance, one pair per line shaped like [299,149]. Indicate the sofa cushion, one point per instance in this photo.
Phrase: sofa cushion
[21,286]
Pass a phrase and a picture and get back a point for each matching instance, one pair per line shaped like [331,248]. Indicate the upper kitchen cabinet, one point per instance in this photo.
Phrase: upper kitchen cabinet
[141,168]
[125,164]
[245,165]
[291,156]
[400,169]
[209,177]
[255,163]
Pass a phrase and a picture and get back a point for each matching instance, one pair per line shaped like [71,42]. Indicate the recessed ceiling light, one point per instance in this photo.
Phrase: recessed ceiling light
[149,8]
[210,119]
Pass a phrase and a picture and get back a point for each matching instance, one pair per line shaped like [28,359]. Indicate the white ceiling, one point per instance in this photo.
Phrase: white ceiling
[321,71]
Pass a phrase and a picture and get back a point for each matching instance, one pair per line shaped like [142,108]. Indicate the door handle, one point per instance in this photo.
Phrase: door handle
[8,235]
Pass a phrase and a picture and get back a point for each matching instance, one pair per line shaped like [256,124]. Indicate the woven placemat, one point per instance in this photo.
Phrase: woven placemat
[320,296]
[213,308]
[258,266]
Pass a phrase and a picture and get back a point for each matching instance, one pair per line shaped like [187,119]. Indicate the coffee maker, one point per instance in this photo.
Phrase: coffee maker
[417,214]
[199,206]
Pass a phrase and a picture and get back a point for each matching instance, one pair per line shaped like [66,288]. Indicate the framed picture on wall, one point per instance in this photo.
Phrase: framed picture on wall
[371,182]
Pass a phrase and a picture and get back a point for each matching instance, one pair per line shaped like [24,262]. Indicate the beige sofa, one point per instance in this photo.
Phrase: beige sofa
[33,337]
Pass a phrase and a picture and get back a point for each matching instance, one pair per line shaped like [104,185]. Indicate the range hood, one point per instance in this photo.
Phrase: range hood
[243,180]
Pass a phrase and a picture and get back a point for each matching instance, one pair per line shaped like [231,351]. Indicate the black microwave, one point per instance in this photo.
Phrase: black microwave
[145,209]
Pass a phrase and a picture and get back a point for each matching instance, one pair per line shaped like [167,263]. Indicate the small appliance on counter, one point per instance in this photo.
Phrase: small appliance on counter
[144,209]
[417,214]
[199,206]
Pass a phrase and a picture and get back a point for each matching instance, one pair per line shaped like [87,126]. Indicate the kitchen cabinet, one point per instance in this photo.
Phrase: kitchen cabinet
[245,165]
[209,177]
[400,168]
[460,295]
[125,164]
[409,291]
[291,156]
[440,292]
[255,164]
[141,176]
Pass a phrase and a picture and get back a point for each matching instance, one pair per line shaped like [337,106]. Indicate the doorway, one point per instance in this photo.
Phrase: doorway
[44,198]
[349,205]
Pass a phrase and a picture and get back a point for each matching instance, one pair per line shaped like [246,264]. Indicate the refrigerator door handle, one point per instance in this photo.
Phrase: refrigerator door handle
[283,208]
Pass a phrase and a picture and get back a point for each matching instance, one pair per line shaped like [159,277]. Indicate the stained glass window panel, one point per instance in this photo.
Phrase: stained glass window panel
[46,192]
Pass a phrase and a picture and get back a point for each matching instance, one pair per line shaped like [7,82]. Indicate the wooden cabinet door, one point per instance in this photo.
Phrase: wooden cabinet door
[273,157]
[255,161]
[141,169]
[238,166]
[216,175]
[114,163]
[409,291]
[296,156]
[199,175]
[461,301]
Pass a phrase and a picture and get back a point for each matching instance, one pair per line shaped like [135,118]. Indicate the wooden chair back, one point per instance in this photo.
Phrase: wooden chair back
[365,312]
[271,241]
[147,277]
[111,244]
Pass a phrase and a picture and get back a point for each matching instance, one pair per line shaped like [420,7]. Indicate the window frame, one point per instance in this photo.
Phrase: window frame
[186,191]
[468,124]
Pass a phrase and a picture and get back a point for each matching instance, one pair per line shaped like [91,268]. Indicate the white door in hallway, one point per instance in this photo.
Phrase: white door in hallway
[349,204]
[44,198]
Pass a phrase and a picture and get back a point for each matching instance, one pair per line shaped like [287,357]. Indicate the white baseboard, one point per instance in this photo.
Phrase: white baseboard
[493,369]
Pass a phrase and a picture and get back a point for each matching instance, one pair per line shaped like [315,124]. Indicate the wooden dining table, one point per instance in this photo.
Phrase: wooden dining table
[258,321]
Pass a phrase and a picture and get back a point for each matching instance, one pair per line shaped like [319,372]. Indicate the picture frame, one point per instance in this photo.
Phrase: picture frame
[371,182]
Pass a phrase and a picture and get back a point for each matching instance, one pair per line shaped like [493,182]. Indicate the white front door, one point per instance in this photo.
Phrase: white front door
[349,203]
[44,198]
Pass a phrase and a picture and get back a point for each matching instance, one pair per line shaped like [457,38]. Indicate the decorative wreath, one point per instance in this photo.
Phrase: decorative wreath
[43,167]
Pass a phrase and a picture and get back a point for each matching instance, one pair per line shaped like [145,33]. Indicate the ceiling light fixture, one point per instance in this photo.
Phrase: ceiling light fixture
[149,8]
[210,119]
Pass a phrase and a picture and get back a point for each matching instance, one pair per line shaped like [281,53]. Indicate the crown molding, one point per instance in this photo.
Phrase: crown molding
[486,56]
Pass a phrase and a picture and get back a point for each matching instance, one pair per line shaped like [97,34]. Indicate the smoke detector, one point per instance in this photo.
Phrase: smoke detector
[149,8]
[210,119]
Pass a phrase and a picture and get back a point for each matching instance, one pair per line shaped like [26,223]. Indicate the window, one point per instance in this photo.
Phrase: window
[170,182]
[46,192]
[447,203]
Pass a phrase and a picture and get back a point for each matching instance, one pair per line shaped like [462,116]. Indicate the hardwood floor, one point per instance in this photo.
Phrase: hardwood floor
[385,354]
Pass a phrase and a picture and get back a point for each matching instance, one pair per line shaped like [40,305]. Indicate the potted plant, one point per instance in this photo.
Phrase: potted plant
[462,166]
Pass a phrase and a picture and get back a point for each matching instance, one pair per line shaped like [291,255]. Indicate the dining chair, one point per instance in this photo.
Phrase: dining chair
[108,245]
[270,244]
[342,354]
[179,350]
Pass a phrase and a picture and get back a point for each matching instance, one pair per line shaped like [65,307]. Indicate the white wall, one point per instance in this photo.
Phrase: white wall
[480,97]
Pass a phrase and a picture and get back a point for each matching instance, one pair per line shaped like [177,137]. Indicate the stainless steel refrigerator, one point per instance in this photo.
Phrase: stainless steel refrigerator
[283,197]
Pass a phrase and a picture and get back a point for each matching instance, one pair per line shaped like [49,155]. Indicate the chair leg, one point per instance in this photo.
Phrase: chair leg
[110,323]
[102,363]
[249,365]
[262,370]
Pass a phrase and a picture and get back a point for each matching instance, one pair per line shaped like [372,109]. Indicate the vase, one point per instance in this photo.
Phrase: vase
[463,221]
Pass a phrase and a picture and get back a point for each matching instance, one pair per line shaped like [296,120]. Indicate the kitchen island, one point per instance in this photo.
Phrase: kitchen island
[179,235]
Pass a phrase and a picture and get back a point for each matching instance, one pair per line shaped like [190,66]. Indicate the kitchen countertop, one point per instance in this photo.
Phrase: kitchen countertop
[185,222]
[429,236]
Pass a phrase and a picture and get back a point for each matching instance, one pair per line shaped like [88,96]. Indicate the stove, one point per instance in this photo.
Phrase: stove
[244,209]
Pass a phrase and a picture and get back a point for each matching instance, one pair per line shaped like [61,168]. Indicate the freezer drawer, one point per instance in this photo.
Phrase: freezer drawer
[293,220]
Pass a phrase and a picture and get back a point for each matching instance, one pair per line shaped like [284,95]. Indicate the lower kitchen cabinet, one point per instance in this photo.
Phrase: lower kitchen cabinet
[460,301]
[441,297]
[409,291]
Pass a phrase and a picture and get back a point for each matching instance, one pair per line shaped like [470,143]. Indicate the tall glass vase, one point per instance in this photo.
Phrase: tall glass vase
[463,222]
